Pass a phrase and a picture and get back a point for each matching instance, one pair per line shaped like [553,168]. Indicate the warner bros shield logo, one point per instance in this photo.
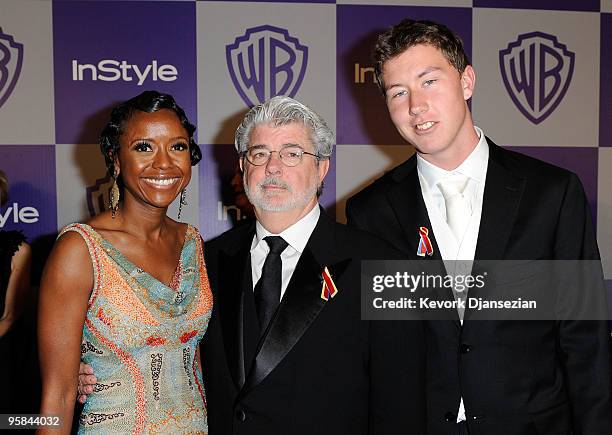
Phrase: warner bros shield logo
[537,71]
[98,195]
[265,62]
[11,60]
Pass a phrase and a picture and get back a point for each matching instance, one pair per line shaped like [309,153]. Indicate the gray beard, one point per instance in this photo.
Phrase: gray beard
[262,201]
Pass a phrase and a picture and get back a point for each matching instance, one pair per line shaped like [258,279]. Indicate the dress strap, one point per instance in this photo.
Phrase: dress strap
[194,233]
[92,241]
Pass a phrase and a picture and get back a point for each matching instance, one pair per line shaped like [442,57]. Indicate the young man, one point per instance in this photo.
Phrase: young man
[479,201]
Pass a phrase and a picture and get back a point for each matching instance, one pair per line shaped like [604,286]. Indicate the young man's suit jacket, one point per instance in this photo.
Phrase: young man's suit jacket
[516,378]
[319,369]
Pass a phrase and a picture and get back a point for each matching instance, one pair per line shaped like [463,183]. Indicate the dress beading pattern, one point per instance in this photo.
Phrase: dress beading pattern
[140,337]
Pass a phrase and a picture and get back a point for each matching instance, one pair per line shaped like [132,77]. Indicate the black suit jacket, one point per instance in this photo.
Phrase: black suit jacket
[319,369]
[518,378]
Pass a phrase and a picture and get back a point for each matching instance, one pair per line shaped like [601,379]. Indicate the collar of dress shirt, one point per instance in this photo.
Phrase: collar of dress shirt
[296,235]
[474,166]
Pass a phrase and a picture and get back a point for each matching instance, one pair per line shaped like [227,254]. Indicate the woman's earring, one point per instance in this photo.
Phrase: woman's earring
[114,198]
[182,201]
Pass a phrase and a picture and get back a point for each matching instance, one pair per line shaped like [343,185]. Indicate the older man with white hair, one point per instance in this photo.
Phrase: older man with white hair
[287,351]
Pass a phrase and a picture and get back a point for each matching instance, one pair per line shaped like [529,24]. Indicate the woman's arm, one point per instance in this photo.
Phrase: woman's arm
[18,287]
[64,292]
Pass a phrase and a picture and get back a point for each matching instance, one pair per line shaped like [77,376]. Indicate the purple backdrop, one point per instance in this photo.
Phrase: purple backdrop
[31,188]
[566,5]
[362,114]
[88,32]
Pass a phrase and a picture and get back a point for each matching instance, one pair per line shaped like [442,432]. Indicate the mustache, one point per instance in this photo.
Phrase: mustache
[272,181]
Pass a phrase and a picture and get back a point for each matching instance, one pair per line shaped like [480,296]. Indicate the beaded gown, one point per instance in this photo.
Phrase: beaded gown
[140,337]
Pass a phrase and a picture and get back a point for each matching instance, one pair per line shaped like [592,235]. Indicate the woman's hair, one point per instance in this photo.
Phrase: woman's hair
[149,102]
[3,188]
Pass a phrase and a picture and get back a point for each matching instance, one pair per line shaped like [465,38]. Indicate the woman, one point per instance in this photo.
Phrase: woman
[128,292]
[15,259]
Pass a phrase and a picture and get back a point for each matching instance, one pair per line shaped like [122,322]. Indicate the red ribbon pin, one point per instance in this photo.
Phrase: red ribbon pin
[425,246]
[329,289]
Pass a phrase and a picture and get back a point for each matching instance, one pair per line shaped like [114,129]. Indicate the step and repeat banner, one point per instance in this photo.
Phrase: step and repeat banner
[543,88]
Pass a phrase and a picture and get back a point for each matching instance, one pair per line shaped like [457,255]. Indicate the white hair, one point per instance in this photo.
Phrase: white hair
[283,110]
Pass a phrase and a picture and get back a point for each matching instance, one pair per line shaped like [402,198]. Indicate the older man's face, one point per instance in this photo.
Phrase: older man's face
[274,187]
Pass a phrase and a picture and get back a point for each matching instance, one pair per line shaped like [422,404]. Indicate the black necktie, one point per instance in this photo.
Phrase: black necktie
[268,288]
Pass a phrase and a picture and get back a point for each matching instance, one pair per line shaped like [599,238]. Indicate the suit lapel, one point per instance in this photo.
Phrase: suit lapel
[231,306]
[406,201]
[502,195]
[301,303]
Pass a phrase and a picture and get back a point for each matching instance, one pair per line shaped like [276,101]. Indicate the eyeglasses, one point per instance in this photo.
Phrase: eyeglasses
[290,156]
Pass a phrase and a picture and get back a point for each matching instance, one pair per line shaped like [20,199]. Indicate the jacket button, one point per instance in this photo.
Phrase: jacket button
[465,348]
[477,417]
[450,417]
[240,415]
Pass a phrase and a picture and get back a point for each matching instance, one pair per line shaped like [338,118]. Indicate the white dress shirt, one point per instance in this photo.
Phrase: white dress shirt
[451,247]
[296,236]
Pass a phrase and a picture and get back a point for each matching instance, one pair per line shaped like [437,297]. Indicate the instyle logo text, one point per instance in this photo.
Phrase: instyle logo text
[16,214]
[109,70]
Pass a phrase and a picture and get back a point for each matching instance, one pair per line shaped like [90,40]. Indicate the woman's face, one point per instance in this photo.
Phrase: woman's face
[154,158]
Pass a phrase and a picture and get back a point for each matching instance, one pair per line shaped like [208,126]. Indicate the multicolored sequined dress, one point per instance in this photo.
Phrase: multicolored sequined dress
[140,337]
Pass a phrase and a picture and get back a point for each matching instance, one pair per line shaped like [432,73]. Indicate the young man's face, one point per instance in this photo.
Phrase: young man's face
[427,100]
